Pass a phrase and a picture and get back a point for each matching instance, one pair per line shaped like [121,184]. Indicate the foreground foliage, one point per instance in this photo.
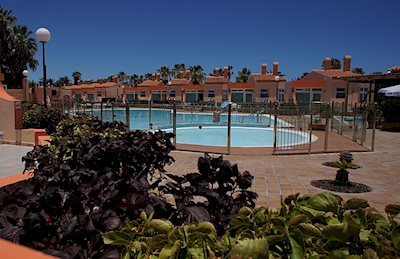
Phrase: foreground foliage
[321,226]
[38,117]
[93,176]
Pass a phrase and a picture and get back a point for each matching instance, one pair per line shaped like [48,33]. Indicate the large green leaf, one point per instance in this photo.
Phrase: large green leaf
[393,209]
[395,234]
[311,212]
[324,201]
[340,232]
[116,238]
[309,229]
[297,250]
[355,203]
[256,248]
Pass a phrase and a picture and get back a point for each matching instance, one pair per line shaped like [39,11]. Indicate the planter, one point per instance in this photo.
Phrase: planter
[391,126]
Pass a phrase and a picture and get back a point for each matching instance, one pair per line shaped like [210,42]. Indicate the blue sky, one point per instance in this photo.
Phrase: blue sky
[101,38]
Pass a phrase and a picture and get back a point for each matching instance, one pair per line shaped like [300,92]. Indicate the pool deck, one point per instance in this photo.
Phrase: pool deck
[276,176]
[336,143]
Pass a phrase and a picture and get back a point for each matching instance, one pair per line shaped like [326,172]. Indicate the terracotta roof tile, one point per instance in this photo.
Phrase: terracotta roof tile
[180,81]
[266,77]
[151,83]
[336,73]
[193,87]
[92,85]
[216,80]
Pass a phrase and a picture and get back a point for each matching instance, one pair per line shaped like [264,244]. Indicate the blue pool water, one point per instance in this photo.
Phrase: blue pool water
[248,130]
[162,119]
[240,136]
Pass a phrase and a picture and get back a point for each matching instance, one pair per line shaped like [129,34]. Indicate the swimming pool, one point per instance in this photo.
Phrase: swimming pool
[209,129]
[240,136]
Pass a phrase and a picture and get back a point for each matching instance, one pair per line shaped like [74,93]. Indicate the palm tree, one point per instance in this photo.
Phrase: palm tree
[165,74]
[135,80]
[122,77]
[148,76]
[6,34]
[243,75]
[63,80]
[76,76]
[358,70]
[197,74]
[335,63]
[177,68]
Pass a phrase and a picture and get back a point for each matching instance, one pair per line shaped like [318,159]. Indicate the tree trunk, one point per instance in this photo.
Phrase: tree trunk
[342,177]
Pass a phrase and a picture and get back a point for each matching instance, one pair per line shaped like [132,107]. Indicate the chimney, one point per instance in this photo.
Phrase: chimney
[100,80]
[115,79]
[89,82]
[346,63]
[153,77]
[187,74]
[327,63]
[158,76]
[78,82]
[263,69]
[226,72]
[69,83]
[216,72]
[275,69]
[180,74]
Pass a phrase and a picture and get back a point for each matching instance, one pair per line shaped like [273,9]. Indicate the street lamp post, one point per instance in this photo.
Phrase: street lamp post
[277,89]
[25,73]
[43,35]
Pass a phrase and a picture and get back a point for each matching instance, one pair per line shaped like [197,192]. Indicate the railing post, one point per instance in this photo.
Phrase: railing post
[91,109]
[364,124]
[342,120]
[275,131]
[150,124]
[101,111]
[326,128]
[373,129]
[127,116]
[112,111]
[332,113]
[229,127]
[354,122]
[174,123]
[310,136]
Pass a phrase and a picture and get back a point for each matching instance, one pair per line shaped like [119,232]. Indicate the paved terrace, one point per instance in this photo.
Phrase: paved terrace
[276,176]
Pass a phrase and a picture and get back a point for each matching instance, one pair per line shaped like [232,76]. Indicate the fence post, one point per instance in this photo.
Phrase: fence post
[326,128]
[342,120]
[373,129]
[150,124]
[91,109]
[229,127]
[101,111]
[354,122]
[310,137]
[112,111]
[364,124]
[275,131]
[332,113]
[174,124]
[127,116]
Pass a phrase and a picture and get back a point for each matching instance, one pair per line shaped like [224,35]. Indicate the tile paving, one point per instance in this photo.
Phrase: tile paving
[276,176]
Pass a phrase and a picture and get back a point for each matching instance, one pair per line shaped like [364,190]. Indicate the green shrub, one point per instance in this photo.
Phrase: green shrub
[391,110]
[319,226]
[38,117]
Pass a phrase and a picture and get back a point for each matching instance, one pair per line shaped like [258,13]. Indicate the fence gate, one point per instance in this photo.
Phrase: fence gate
[293,130]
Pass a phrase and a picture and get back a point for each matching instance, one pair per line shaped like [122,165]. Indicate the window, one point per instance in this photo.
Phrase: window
[264,93]
[90,96]
[340,92]
[172,93]
[363,94]
[211,93]
[281,95]
[99,94]
[130,97]
[53,92]
[78,96]
[142,94]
